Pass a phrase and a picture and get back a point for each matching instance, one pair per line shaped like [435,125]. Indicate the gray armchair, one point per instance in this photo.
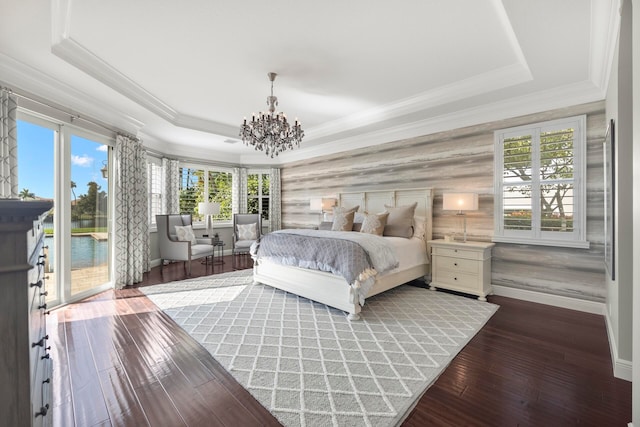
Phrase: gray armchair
[172,249]
[241,246]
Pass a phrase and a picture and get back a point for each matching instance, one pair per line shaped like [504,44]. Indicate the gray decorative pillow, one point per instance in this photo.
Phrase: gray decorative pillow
[400,221]
[185,234]
[247,232]
[374,223]
[342,221]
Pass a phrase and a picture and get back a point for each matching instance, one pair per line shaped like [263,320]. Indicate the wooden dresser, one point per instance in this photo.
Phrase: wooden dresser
[462,267]
[25,370]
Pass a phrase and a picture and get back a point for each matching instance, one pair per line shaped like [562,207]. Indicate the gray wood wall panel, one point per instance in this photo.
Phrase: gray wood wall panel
[461,160]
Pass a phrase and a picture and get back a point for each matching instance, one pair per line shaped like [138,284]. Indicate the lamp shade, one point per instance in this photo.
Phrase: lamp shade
[460,202]
[208,208]
[320,205]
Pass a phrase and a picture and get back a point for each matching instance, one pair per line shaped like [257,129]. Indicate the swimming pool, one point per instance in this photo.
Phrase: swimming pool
[85,251]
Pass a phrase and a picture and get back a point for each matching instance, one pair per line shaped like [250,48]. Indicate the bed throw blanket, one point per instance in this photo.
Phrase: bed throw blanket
[358,257]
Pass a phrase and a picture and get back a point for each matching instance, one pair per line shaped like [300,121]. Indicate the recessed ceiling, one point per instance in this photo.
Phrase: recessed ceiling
[184,74]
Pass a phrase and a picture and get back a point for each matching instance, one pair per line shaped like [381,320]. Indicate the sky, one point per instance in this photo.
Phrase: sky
[36,161]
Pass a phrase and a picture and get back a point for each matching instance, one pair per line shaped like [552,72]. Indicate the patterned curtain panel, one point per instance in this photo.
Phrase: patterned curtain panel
[171,186]
[8,145]
[239,188]
[275,193]
[131,219]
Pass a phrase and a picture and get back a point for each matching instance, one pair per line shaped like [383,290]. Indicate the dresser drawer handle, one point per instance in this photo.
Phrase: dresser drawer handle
[41,342]
[455,278]
[43,411]
[38,284]
[455,263]
[47,381]
[46,356]
[43,306]
[44,294]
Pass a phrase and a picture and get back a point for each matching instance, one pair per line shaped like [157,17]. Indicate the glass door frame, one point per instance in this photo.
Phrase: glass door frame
[62,202]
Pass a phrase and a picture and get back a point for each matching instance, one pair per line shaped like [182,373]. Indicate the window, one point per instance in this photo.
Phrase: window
[220,186]
[539,181]
[258,194]
[154,178]
[196,182]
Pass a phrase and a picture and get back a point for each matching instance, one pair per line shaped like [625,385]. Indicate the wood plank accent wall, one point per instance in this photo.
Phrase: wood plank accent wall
[461,160]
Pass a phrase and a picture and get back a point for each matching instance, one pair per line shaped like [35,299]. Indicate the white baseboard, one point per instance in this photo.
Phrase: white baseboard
[621,368]
[586,306]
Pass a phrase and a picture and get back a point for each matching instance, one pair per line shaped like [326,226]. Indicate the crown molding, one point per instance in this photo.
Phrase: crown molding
[48,89]
[483,83]
[603,41]
[565,96]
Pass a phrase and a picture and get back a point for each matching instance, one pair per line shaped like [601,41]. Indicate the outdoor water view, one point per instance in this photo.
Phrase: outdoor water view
[86,199]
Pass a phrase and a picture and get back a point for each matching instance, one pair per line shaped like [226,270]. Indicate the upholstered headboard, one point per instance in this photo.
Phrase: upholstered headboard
[373,202]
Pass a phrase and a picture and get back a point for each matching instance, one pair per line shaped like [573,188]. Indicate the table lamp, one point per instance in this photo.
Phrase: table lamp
[207,209]
[460,202]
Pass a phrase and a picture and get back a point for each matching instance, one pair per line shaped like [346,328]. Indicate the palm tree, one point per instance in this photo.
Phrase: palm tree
[73,185]
[26,194]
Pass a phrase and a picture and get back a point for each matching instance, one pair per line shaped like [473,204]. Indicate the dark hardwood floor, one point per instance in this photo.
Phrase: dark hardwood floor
[120,361]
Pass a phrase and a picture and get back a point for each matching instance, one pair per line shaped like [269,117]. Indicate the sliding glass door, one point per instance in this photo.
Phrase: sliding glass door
[89,209]
[69,166]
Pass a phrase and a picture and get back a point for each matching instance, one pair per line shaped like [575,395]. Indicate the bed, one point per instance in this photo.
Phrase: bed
[334,290]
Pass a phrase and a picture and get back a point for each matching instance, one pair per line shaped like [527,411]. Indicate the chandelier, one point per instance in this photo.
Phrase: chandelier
[270,131]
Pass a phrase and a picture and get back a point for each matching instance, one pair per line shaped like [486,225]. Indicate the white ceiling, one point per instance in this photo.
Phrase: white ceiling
[182,75]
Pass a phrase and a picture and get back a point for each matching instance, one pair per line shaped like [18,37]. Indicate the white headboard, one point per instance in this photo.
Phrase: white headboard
[373,202]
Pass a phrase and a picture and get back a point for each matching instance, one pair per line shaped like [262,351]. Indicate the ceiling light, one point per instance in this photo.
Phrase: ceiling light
[270,131]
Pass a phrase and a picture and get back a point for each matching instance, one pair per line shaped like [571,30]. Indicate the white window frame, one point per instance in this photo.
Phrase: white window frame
[535,236]
[207,169]
[154,181]
[260,196]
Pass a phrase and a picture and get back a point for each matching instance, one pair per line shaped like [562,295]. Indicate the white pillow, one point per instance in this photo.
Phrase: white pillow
[247,231]
[185,234]
[419,227]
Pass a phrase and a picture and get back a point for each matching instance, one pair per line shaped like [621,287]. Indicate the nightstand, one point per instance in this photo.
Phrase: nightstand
[462,267]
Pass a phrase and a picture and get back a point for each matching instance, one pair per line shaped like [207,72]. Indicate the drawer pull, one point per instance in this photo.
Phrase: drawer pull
[38,284]
[43,411]
[44,256]
[43,306]
[41,263]
[44,294]
[455,250]
[47,381]
[455,263]
[455,278]
[41,342]
[46,356]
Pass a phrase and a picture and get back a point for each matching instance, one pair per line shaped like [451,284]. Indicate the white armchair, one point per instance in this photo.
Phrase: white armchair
[172,249]
[243,239]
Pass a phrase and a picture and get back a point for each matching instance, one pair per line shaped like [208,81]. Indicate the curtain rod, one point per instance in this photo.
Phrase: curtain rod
[72,116]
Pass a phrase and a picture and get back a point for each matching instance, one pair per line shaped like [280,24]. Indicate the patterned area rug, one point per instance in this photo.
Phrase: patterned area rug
[306,363]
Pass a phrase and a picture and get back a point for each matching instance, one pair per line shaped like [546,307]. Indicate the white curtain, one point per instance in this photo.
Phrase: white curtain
[131,219]
[239,188]
[171,186]
[8,145]
[275,200]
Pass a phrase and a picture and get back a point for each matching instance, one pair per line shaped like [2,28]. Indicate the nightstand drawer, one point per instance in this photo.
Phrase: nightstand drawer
[458,280]
[462,265]
[457,253]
